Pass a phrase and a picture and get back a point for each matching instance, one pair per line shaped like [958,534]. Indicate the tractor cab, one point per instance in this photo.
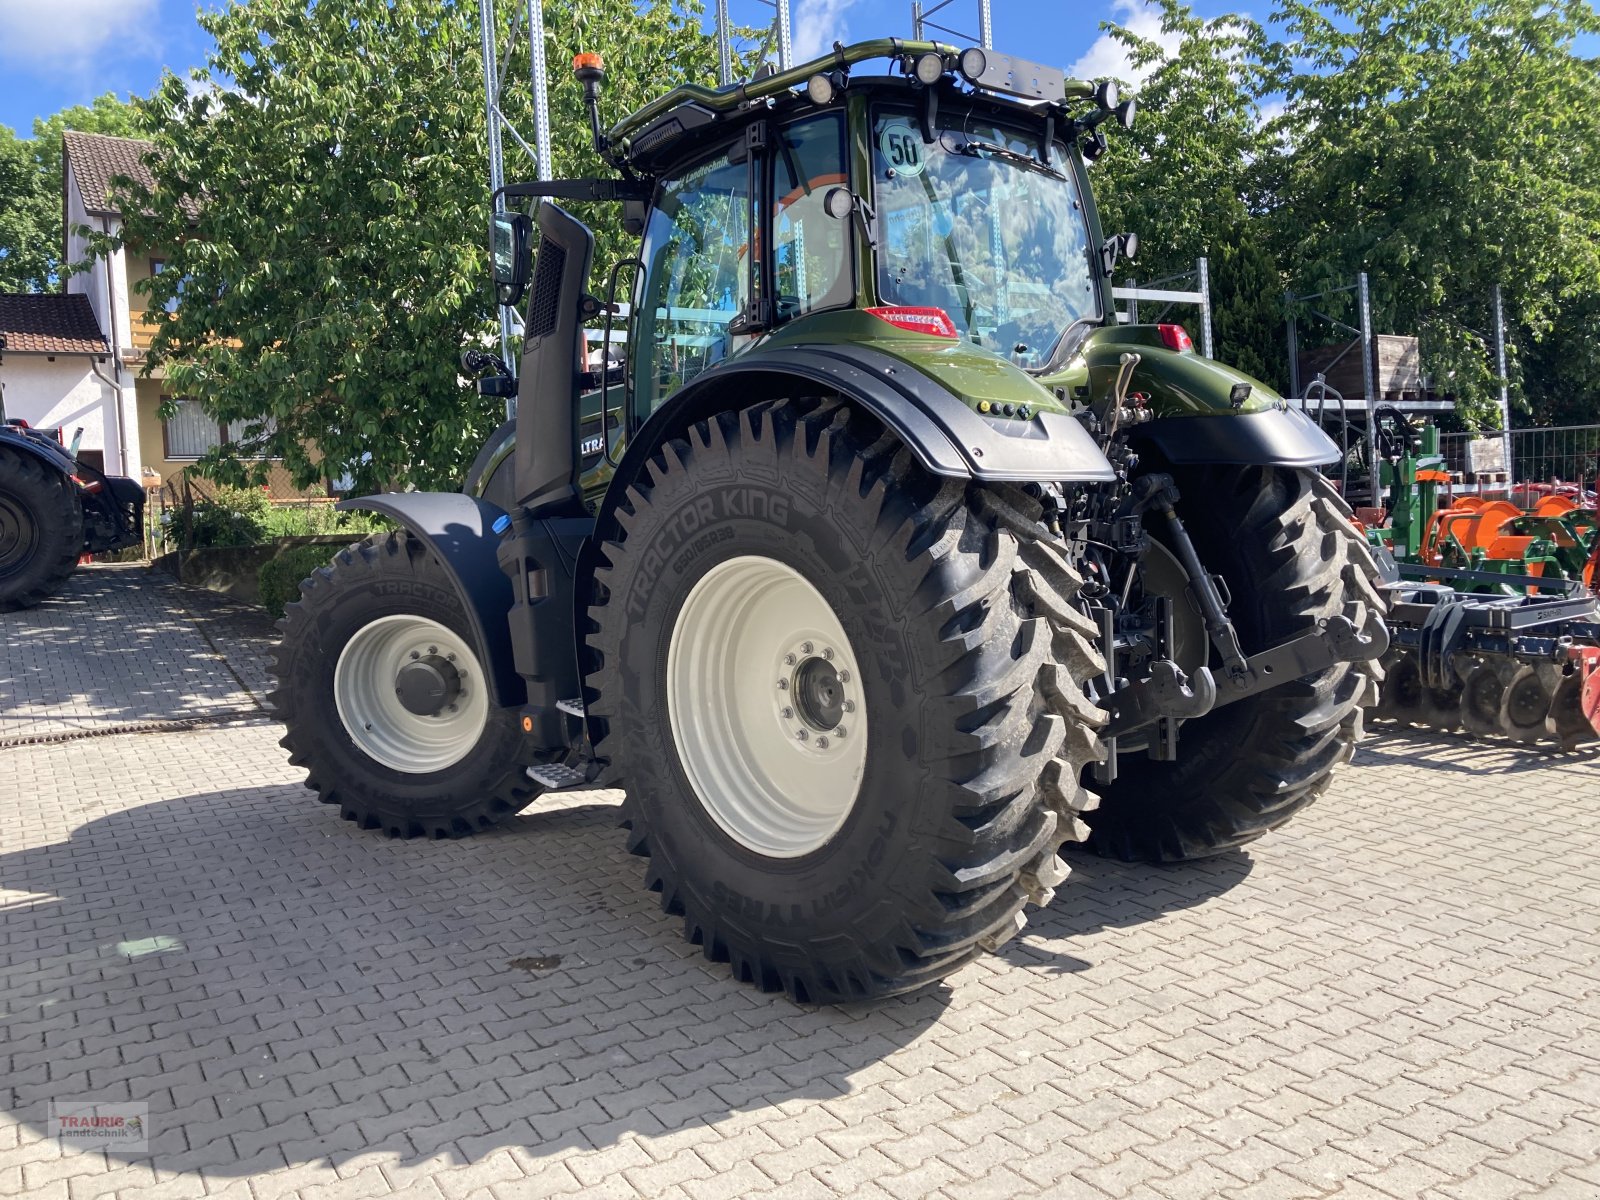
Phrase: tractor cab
[938,212]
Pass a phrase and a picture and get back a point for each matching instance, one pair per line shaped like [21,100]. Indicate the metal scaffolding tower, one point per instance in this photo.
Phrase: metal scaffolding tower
[529,22]
[920,24]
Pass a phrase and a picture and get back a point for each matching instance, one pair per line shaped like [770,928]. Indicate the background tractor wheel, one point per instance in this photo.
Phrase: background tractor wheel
[41,530]
[385,702]
[1283,542]
[845,699]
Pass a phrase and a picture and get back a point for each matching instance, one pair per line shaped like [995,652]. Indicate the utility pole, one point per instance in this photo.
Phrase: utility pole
[1505,384]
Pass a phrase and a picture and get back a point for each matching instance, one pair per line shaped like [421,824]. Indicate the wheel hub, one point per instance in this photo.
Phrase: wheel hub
[16,535]
[410,693]
[428,685]
[765,704]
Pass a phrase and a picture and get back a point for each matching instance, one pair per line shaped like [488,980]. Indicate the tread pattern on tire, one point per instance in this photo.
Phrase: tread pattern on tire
[60,515]
[994,831]
[1298,733]
[502,793]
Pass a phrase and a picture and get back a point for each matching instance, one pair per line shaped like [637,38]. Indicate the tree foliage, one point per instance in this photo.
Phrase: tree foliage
[325,209]
[1188,179]
[1443,146]
[30,190]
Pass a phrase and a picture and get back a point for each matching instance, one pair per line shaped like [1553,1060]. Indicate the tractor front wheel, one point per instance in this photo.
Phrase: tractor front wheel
[1283,543]
[845,700]
[385,701]
[41,530]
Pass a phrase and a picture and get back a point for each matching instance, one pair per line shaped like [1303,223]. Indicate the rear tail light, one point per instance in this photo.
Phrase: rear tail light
[1175,337]
[918,320]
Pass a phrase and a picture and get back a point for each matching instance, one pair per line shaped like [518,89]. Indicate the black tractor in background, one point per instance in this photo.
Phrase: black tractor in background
[55,508]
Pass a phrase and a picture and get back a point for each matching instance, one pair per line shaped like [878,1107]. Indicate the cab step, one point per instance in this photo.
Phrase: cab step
[557,777]
[573,708]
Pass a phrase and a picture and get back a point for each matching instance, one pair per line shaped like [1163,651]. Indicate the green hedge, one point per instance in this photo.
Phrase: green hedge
[279,578]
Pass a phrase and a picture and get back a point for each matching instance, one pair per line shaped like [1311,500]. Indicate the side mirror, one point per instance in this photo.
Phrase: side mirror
[633,217]
[1118,246]
[510,257]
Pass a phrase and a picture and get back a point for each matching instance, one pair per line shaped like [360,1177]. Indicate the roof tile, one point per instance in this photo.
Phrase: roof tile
[49,323]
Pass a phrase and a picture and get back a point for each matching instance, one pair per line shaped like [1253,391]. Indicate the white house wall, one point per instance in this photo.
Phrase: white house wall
[65,394]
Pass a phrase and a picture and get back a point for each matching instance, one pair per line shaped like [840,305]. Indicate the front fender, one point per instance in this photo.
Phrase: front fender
[460,531]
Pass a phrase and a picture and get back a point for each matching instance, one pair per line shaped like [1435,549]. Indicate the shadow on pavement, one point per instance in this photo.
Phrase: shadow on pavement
[281,988]
[1105,894]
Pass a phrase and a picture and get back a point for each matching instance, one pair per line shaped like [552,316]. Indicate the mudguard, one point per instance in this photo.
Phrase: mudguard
[460,531]
[46,450]
[1275,437]
[947,436]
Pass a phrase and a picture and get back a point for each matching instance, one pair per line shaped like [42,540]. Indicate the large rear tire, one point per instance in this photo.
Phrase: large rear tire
[1283,542]
[844,698]
[359,621]
[41,530]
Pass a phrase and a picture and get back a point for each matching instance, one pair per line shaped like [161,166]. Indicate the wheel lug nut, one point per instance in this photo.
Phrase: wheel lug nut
[416,654]
[783,685]
[789,660]
[849,706]
[433,649]
[805,647]
[844,676]
[822,743]
[827,653]
[449,658]
[801,734]
[839,732]
[452,708]
[788,713]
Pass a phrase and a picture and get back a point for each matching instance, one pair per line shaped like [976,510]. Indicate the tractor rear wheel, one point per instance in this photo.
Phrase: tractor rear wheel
[1283,542]
[41,530]
[845,700]
[383,697]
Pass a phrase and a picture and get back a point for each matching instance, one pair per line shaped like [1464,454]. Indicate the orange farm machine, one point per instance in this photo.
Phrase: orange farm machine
[1495,604]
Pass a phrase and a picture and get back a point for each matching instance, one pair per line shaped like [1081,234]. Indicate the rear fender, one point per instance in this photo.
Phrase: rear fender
[1274,437]
[459,530]
[46,450]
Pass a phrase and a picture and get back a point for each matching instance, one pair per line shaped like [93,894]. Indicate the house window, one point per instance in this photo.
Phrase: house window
[158,266]
[190,433]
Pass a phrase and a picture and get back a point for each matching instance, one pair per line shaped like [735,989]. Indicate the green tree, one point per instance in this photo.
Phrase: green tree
[30,190]
[1444,146]
[325,210]
[1187,178]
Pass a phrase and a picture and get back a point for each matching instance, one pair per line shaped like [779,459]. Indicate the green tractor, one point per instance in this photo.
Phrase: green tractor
[873,557]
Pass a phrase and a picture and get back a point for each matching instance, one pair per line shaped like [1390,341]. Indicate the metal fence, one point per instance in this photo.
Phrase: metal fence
[1555,454]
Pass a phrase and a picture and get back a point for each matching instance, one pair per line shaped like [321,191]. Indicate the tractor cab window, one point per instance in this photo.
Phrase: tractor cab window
[977,225]
[810,249]
[696,279]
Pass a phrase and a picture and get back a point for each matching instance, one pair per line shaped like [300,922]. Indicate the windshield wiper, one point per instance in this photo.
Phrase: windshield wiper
[973,147]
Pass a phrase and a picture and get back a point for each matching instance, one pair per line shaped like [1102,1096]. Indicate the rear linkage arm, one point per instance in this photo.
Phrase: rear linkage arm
[1166,693]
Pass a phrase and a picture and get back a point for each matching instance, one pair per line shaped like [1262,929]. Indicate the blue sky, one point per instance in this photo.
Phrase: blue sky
[55,53]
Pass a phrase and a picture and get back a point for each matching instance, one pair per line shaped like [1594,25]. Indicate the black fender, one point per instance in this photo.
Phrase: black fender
[46,450]
[937,426]
[1274,437]
[460,532]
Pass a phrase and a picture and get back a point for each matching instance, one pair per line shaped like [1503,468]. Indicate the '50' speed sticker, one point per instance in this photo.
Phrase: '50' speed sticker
[901,147]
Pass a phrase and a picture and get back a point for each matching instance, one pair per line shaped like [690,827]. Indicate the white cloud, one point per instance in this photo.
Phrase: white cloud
[1107,58]
[68,33]
[817,25]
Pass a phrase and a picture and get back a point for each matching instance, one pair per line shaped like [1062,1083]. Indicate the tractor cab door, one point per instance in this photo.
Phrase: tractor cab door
[736,244]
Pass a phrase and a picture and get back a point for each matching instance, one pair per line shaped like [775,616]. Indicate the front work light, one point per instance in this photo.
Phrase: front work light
[974,62]
[930,68]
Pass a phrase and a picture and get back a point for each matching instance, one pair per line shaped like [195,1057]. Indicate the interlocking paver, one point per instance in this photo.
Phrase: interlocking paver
[1398,995]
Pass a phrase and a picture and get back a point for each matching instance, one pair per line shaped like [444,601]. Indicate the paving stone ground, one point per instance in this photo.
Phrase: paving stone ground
[1397,996]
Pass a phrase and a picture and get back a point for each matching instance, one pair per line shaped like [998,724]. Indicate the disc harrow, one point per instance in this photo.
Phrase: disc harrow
[1525,668]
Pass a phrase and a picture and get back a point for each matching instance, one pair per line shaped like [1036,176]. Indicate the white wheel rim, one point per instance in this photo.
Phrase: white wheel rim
[766,709]
[364,682]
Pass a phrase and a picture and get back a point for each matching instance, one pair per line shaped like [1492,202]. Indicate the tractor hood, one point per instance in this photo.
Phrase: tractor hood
[986,382]
[1177,383]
